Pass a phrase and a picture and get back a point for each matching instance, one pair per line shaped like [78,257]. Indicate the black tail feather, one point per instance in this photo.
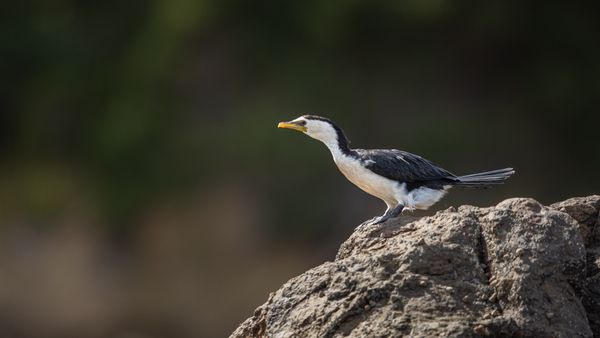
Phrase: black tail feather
[485,179]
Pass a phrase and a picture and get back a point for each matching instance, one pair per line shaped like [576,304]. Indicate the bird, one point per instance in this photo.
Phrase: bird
[404,181]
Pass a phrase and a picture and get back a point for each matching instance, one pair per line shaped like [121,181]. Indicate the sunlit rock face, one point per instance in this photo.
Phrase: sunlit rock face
[516,269]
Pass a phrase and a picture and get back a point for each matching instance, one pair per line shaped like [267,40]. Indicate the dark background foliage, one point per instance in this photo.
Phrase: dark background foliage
[145,189]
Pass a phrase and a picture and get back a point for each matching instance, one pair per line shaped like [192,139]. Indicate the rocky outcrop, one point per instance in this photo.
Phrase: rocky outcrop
[585,212]
[517,269]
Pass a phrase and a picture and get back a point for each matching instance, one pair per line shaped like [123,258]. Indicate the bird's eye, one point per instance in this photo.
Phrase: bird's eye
[301,123]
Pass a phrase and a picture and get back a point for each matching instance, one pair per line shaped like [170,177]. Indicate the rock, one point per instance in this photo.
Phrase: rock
[585,210]
[517,269]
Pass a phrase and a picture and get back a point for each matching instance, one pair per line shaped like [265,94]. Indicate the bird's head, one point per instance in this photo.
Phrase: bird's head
[317,127]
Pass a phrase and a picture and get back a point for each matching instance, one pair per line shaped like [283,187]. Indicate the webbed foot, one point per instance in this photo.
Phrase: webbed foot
[389,214]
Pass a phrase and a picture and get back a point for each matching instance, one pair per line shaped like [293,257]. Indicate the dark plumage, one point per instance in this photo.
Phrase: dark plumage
[405,167]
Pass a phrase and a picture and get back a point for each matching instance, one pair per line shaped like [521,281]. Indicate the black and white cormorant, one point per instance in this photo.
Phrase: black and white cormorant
[401,179]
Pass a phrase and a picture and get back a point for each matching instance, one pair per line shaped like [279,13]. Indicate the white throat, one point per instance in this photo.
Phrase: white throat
[334,148]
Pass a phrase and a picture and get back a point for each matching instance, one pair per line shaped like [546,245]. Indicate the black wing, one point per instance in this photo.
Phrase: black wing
[405,167]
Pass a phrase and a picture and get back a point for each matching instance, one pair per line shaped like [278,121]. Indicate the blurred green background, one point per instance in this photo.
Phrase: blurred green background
[145,190]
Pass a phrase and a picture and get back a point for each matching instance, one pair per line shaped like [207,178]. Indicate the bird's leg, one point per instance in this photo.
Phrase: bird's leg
[375,219]
[367,222]
[390,213]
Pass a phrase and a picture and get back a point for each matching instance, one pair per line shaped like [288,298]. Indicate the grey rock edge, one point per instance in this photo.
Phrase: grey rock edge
[518,269]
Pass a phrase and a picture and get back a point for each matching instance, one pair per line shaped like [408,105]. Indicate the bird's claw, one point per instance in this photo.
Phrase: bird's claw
[379,220]
[365,223]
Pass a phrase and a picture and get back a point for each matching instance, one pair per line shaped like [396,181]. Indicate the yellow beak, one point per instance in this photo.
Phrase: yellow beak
[291,125]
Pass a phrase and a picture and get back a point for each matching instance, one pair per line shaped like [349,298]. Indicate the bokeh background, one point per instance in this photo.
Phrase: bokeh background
[145,190]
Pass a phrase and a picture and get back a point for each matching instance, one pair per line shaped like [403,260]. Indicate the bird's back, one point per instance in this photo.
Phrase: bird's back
[405,167]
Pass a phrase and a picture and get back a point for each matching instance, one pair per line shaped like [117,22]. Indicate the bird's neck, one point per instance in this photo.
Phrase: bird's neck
[338,146]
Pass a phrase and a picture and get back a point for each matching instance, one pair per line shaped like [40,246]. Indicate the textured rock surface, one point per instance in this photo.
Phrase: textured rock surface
[585,211]
[517,269]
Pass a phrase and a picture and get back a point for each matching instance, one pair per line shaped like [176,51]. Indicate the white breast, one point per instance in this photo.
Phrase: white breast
[378,186]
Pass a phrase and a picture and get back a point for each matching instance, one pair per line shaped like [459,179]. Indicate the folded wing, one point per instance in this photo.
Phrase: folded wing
[405,167]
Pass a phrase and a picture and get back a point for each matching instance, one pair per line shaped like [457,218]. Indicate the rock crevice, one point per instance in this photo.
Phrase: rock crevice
[516,269]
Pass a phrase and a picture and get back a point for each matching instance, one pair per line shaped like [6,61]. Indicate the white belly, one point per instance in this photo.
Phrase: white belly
[378,186]
[390,191]
[423,198]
